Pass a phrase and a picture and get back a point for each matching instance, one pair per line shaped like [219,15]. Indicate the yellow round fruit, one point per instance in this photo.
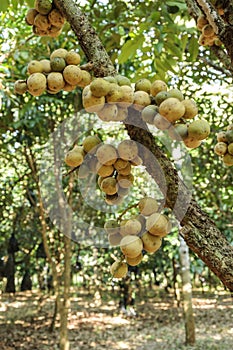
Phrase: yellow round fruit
[127,149]
[141,100]
[20,87]
[120,164]
[104,170]
[127,96]
[115,94]
[72,74]
[133,227]
[30,16]
[123,232]
[90,102]
[55,81]
[172,109]
[176,93]
[228,159]
[35,66]
[41,22]
[131,246]
[59,53]
[230,148]
[86,79]
[125,181]
[90,143]
[74,157]
[36,84]
[43,6]
[126,170]
[220,148]
[100,87]
[134,261]
[72,57]
[109,185]
[191,142]
[151,243]
[121,80]
[143,85]
[56,18]
[157,224]
[106,154]
[46,65]
[191,109]
[199,129]
[148,206]
[157,86]
[119,269]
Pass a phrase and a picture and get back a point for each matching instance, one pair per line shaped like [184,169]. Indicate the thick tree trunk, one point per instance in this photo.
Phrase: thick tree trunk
[187,293]
[198,230]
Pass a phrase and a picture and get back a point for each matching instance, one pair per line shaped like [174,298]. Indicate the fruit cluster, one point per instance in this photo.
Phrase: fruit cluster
[45,18]
[60,72]
[138,234]
[110,98]
[112,165]
[224,146]
[208,36]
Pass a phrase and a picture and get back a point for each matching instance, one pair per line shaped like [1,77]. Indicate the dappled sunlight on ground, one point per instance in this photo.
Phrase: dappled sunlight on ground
[25,319]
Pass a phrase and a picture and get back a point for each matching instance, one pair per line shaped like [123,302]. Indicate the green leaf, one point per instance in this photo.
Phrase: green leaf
[193,48]
[4,5]
[129,49]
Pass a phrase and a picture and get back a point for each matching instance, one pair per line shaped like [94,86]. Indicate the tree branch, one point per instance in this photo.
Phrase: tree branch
[199,231]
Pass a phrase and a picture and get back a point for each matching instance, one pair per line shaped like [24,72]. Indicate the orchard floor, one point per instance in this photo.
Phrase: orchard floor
[25,319]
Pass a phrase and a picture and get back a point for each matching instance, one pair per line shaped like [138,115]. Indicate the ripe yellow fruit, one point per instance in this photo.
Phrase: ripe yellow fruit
[127,149]
[36,84]
[157,86]
[20,87]
[126,170]
[100,87]
[115,94]
[228,159]
[230,148]
[220,148]
[119,269]
[59,53]
[157,224]
[143,85]
[55,81]
[90,102]
[30,16]
[90,143]
[86,79]
[72,74]
[72,57]
[46,65]
[141,100]
[125,181]
[56,18]
[191,109]
[191,142]
[35,66]
[109,185]
[161,96]
[172,109]
[199,129]
[148,206]
[151,243]
[69,87]
[41,22]
[131,246]
[221,136]
[127,96]
[106,154]
[120,164]
[74,157]
[134,261]
[104,170]
[133,227]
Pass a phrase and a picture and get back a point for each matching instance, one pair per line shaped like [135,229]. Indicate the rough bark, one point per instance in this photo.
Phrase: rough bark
[198,230]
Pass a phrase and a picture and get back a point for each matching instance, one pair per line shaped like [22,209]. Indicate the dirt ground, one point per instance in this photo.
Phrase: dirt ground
[97,323]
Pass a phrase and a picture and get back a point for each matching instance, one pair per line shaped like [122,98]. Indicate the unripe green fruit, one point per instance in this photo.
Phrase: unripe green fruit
[161,96]
[229,136]
[230,148]
[148,113]
[73,158]
[90,143]
[199,129]
[100,87]
[176,93]
[121,80]
[58,64]
[228,159]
